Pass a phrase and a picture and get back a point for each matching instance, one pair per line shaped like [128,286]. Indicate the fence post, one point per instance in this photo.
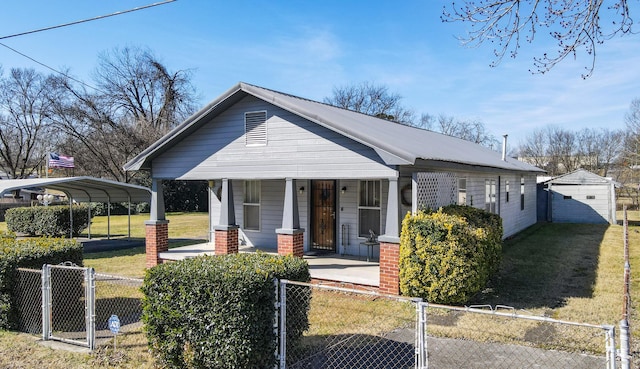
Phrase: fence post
[625,357]
[46,302]
[283,324]
[90,306]
[610,344]
[276,330]
[422,358]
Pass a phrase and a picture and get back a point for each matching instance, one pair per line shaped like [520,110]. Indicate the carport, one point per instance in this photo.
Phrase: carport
[85,189]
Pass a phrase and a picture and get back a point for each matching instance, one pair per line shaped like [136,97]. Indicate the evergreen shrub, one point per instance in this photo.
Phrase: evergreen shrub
[28,253]
[218,311]
[448,256]
[47,220]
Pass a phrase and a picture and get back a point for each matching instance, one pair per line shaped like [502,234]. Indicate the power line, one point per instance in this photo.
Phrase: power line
[88,20]
[50,68]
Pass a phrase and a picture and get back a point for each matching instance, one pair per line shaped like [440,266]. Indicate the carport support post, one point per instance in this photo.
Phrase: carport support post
[290,236]
[226,233]
[157,227]
[390,244]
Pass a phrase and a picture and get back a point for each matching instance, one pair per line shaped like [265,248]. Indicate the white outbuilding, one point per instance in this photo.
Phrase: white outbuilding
[580,197]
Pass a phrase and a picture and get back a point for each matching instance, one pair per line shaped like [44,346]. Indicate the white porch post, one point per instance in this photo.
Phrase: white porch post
[290,236]
[226,232]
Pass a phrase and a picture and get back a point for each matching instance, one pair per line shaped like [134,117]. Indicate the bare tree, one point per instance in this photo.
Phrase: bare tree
[136,102]
[25,122]
[560,151]
[470,130]
[371,99]
[574,25]
[534,149]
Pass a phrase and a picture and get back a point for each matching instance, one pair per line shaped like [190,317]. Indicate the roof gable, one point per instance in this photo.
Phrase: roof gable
[396,144]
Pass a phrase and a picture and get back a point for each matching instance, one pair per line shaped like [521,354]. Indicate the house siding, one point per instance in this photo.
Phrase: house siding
[296,148]
[569,203]
[514,219]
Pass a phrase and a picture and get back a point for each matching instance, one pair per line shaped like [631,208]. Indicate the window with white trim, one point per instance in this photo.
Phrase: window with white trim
[521,192]
[490,195]
[255,128]
[506,191]
[369,208]
[462,191]
[251,205]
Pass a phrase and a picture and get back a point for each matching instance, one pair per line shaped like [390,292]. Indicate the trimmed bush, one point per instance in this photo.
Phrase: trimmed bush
[218,311]
[47,220]
[448,256]
[29,253]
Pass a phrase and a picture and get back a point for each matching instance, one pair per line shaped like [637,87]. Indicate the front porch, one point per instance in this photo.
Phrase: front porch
[330,268]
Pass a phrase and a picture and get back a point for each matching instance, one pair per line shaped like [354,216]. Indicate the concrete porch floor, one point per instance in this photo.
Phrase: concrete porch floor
[330,267]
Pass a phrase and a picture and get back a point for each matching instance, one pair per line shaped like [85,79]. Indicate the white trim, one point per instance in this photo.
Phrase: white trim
[359,207]
[253,204]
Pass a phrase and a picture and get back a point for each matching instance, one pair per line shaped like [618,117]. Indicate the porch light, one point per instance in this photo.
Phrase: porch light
[343,190]
[301,190]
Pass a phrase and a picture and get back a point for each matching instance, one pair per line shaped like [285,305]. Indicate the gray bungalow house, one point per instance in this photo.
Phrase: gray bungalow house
[301,176]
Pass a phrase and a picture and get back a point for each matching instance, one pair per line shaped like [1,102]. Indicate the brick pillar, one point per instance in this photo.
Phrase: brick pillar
[291,244]
[156,240]
[389,268]
[226,240]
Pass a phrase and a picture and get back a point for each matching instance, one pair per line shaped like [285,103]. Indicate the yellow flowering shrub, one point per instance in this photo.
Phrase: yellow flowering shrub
[448,256]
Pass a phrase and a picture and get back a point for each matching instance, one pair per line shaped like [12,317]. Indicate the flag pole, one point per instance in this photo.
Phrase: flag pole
[46,160]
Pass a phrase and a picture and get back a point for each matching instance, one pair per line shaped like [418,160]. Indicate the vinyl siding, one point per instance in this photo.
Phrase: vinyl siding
[296,148]
[579,209]
[514,219]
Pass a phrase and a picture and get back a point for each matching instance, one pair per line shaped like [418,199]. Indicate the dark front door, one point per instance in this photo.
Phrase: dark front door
[323,215]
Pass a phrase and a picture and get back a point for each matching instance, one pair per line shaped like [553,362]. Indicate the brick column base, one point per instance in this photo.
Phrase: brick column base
[389,268]
[291,244]
[156,240]
[226,241]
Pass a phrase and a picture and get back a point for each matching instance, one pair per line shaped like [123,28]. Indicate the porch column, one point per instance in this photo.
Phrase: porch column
[157,227]
[290,236]
[226,233]
[390,243]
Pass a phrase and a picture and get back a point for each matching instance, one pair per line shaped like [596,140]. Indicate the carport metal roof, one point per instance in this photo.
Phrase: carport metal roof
[83,189]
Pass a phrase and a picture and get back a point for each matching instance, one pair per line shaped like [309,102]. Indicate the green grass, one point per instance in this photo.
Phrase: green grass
[566,271]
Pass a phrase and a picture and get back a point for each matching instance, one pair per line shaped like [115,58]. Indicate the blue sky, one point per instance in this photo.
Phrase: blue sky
[307,48]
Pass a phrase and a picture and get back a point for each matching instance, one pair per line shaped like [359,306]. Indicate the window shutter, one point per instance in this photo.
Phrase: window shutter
[255,128]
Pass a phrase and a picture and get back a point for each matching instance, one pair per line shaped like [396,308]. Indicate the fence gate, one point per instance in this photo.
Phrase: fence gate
[68,304]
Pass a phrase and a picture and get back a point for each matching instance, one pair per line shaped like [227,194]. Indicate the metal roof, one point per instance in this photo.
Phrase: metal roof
[396,144]
[83,189]
[581,177]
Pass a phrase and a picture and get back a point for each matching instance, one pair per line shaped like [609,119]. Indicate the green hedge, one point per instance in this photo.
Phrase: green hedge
[29,253]
[47,220]
[218,311]
[448,256]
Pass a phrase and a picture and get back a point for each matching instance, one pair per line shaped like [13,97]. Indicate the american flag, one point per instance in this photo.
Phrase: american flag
[60,161]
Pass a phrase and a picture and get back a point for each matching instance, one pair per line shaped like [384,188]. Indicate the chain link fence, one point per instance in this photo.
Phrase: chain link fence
[349,329]
[120,296]
[76,304]
[359,329]
[460,337]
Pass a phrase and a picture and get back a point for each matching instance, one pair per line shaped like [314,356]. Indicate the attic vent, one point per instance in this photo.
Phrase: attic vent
[255,128]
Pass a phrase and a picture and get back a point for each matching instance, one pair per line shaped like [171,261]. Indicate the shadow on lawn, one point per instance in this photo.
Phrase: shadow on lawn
[546,264]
